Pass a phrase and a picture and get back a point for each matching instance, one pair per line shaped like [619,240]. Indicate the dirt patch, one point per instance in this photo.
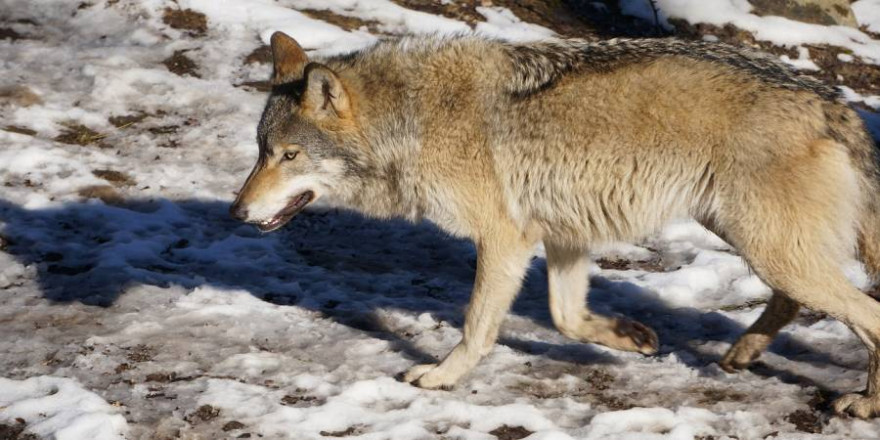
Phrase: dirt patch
[232,426]
[141,353]
[16,431]
[171,143]
[805,421]
[161,377]
[597,383]
[295,400]
[260,55]
[104,193]
[20,130]
[510,432]
[351,430]
[259,86]
[571,18]
[181,65]
[78,134]
[652,265]
[750,304]
[465,11]
[117,178]
[714,395]
[600,380]
[19,95]
[125,121]
[863,78]
[729,34]
[204,413]
[186,19]
[821,401]
[347,23]
[164,129]
[9,34]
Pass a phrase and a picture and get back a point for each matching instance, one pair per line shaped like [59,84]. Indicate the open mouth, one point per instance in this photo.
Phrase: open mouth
[293,208]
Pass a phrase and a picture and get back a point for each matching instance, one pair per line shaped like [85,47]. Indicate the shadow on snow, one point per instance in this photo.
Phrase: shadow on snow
[340,264]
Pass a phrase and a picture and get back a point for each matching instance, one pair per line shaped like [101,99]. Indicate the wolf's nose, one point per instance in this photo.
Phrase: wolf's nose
[238,212]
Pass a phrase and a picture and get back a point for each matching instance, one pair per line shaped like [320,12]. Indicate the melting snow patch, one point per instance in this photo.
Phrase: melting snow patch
[60,408]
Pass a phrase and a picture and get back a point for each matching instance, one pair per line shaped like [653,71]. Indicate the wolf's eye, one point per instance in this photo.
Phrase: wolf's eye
[290,155]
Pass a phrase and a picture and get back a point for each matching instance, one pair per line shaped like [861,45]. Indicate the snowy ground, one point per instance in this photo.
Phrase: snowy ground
[150,314]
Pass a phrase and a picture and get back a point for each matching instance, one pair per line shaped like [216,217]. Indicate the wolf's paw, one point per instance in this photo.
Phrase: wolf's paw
[635,336]
[740,355]
[430,377]
[617,333]
[858,405]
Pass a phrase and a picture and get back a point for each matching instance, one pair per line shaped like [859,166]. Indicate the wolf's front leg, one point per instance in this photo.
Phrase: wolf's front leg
[567,273]
[502,261]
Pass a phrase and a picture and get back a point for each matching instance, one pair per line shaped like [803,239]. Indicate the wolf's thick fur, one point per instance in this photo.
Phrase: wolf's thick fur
[574,143]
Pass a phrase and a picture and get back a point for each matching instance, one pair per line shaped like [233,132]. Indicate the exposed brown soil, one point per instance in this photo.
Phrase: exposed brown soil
[863,78]
[805,421]
[258,86]
[510,432]
[653,265]
[9,34]
[125,121]
[117,178]
[750,304]
[19,130]
[20,95]
[232,426]
[182,65]
[161,377]
[713,395]
[15,431]
[344,22]
[141,353]
[104,193]
[204,413]
[351,430]
[597,383]
[260,55]
[78,134]
[186,19]
[293,400]
[164,129]
[465,11]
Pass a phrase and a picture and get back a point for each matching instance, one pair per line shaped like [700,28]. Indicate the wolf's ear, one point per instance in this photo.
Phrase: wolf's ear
[325,95]
[288,57]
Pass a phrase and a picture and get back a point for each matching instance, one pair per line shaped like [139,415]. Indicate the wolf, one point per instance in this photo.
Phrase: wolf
[573,143]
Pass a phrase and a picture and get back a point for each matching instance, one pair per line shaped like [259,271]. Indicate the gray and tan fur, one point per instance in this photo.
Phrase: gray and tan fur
[574,143]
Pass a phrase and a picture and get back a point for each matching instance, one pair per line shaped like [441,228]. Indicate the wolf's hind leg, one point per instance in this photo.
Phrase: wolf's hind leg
[567,273]
[502,260]
[779,312]
[822,286]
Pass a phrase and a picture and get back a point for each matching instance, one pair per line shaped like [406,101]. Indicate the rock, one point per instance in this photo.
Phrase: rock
[825,12]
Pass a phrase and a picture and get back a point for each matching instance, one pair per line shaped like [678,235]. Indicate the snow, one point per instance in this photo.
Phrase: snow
[122,319]
[778,30]
[61,409]
[867,14]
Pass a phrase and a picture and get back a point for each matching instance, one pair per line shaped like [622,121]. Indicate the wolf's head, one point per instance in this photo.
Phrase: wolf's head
[308,139]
